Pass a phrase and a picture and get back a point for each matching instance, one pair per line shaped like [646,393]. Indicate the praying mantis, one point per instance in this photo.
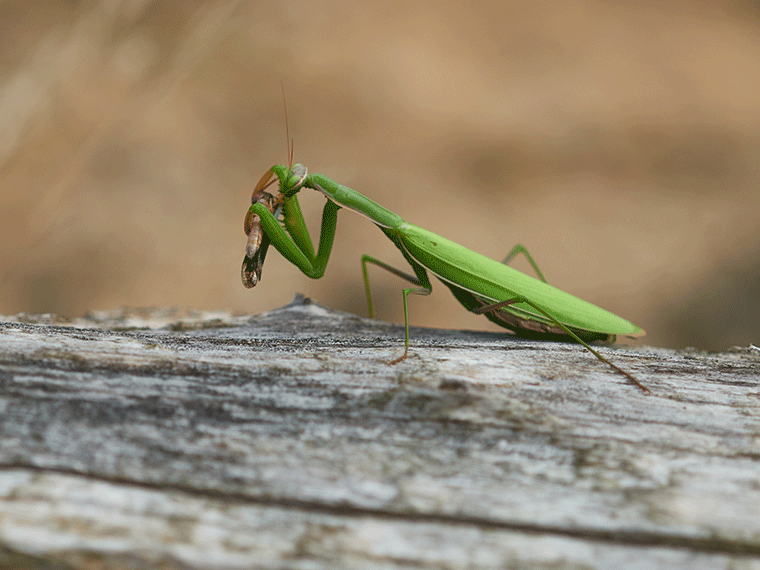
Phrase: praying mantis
[528,306]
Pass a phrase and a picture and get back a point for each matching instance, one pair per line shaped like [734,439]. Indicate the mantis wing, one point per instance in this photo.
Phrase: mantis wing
[488,281]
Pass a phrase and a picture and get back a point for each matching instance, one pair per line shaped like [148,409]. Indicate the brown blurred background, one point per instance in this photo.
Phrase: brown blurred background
[618,141]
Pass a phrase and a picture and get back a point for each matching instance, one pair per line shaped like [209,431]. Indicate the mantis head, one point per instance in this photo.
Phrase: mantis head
[291,178]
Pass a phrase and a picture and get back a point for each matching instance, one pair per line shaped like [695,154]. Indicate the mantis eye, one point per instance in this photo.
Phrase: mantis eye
[296,176]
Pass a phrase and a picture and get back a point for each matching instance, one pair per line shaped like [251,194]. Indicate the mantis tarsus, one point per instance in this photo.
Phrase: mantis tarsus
[528,306]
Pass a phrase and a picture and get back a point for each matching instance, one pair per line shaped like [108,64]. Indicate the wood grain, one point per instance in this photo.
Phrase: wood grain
[285,440]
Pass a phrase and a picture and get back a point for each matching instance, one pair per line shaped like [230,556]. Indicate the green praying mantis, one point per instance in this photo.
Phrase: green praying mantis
[528,306]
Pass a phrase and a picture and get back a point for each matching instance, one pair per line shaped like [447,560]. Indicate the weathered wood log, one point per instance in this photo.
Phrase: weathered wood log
[286,440]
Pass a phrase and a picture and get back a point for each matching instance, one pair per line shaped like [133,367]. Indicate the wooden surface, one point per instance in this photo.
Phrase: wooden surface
[285,440]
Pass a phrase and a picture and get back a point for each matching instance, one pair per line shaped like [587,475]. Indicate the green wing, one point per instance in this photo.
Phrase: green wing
[489,281]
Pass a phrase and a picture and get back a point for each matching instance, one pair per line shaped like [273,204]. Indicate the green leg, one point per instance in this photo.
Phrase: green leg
[502,304]
[405,292]
[421,289]
[519,248]
[295,244]
[397,272]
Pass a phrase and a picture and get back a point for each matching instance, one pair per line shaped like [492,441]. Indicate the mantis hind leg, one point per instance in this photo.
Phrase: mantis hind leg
[421,289]
[502,304]
[518,249]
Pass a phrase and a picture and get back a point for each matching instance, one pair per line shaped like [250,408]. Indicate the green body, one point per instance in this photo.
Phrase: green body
[476,280]
[528,306]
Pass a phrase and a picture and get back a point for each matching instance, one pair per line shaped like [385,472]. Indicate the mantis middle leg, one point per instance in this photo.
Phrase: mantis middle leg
[423,288]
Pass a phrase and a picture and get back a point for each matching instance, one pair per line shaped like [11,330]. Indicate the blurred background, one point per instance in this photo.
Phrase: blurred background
[619,141]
